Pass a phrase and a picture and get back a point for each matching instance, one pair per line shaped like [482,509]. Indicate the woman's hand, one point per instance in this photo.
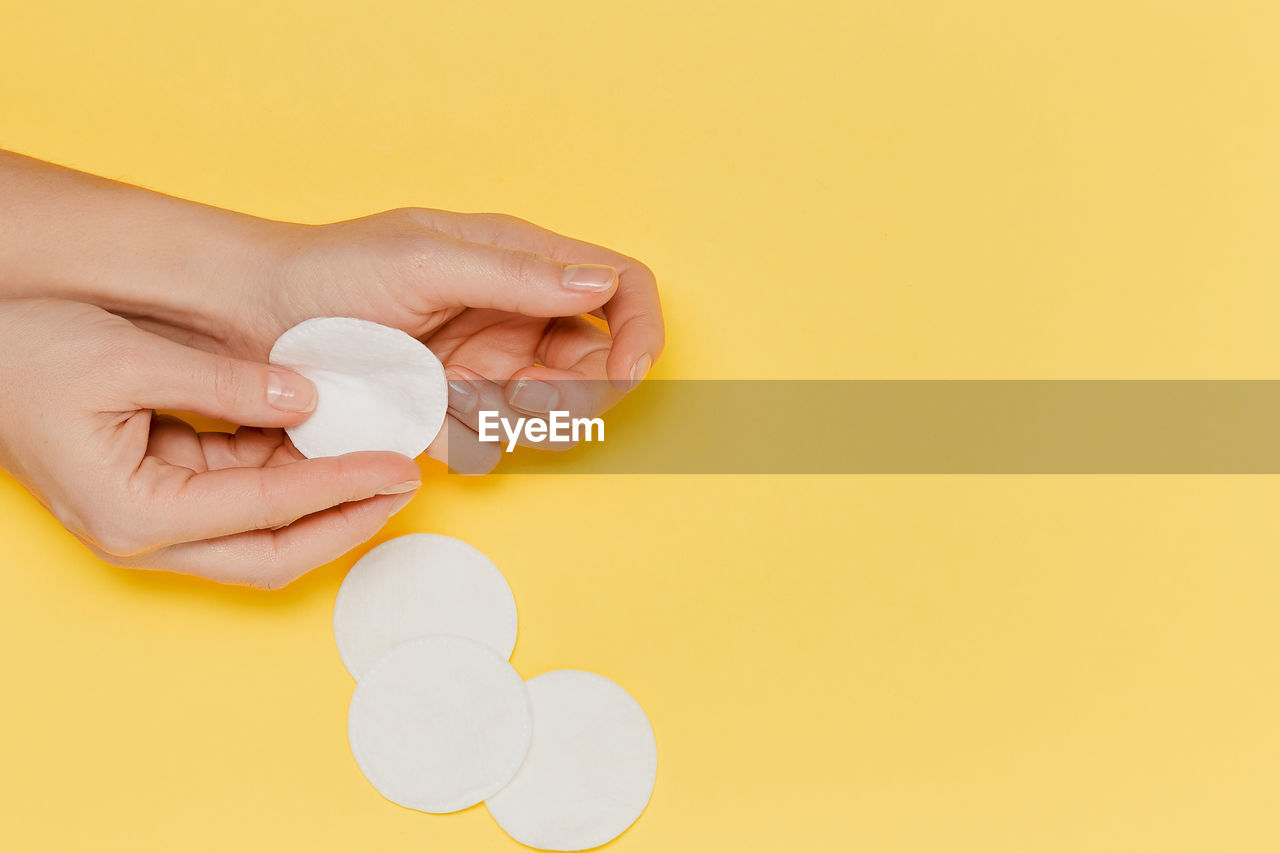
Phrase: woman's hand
[78,429]
[524,319]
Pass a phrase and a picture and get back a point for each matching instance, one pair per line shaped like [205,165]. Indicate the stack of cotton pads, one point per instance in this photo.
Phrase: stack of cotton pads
[440,721]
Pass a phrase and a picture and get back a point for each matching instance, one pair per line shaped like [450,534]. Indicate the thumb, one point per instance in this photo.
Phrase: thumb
[475,275]
[173,376]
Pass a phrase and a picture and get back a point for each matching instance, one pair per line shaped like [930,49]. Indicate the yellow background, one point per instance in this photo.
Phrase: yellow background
[826,190]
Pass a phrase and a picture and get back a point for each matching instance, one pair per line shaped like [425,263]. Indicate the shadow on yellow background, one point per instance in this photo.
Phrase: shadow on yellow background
[826,190]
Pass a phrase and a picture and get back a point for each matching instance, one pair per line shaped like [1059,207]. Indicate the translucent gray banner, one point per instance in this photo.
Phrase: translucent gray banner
[921,427]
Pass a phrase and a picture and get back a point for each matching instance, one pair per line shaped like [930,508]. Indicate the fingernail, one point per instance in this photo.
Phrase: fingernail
[401,488]
[640,369]
[462,397]
[533,396]
[289,392]
[400,503]
[590,278]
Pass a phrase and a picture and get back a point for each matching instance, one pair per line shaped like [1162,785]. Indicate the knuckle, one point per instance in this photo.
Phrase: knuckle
[495,218]
[349,479]
[493,226]
[228,382]
[338,482]
[116,538]
[639,269]
[269,510]
[402,224]
[518,267]
[411,255]
[510,220]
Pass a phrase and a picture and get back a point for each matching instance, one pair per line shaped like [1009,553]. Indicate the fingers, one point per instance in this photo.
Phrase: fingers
[476,275]
[570,374]
[181,505]
[167,375]
[176,442]
[635,320]
[634,312]
[247,447]
[458,445]
[532,392]
[569,377]
[538,390]
[268,559]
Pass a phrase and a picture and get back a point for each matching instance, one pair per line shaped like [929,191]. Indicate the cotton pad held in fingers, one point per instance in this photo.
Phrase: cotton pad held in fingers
[377,388]
[590,768]
[417,585]
[439,724]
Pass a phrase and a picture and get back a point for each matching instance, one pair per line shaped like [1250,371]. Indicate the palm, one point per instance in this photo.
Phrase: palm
[175,450]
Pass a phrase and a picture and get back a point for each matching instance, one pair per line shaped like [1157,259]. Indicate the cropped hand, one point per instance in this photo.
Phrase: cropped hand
[525,320]
[79,430]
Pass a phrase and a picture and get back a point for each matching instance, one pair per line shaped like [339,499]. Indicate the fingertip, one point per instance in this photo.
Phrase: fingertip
[291,394]
[366,474]
[635,322]
[626,371]
[640,369]
[597,282]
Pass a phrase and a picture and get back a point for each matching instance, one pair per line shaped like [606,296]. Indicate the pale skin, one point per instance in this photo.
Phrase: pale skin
[116,301]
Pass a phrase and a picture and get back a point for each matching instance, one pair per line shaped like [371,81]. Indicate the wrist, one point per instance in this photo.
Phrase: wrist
[207,272]
[201,271]
[196,269]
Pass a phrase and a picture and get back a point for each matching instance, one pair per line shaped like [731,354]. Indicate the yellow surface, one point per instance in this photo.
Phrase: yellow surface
[844,189]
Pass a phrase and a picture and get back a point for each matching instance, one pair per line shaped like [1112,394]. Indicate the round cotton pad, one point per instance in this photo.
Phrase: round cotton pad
[377,388]
[439,723]
[589,771]
[416,585]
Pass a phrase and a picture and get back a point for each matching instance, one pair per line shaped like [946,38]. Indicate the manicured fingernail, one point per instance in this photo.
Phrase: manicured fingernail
[401,488]
[533,396]
[400,503]
[640,369]
[289,392]
[462,396]
[590,278]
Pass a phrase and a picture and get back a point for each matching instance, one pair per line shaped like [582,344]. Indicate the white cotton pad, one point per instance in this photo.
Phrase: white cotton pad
[377,388]
[439,723]
[416,585]
[590,769]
